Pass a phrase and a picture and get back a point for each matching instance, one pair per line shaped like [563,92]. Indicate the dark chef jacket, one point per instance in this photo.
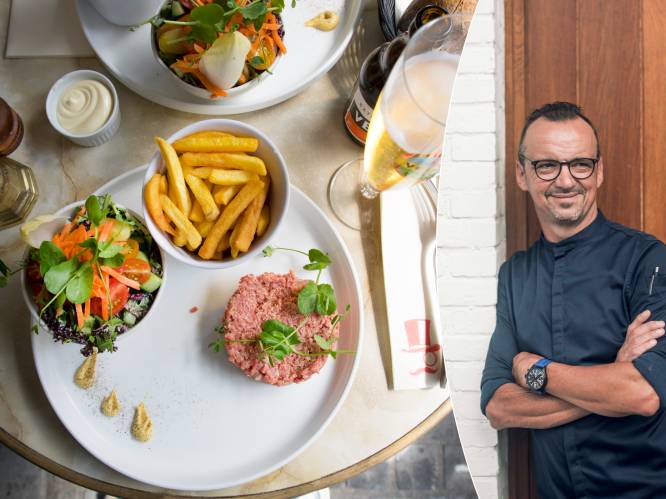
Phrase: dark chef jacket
[572,302]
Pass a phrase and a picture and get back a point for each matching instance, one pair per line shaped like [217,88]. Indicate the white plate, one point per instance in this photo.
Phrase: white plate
[213,426]
[310,54]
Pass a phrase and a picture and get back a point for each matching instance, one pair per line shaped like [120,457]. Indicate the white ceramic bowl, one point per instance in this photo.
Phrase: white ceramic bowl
[126,12]
[102,134]
[278,195]
[202,92]
[69,211]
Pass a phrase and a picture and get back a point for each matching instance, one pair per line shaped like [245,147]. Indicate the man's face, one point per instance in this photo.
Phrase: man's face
[565,200]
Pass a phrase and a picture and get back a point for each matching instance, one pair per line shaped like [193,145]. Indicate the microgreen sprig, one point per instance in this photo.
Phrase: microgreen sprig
[207,21]
[6,273]
[277,339]
[314,297]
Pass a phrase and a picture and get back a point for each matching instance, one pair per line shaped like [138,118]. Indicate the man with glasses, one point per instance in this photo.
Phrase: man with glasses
[578,355]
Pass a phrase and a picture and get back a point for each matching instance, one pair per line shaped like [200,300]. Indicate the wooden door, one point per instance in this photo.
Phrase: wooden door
[608,56]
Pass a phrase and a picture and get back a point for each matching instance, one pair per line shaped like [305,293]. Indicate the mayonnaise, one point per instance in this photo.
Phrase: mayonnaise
[84,106]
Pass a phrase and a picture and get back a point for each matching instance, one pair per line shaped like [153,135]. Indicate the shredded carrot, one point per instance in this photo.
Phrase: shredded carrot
[86,308]
[79,315]
[213,89]
[121,278]
[199,49]
[104,231]
[278,42]
[105,300]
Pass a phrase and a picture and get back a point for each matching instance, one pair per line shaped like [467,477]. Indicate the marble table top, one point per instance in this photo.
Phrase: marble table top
[373,423]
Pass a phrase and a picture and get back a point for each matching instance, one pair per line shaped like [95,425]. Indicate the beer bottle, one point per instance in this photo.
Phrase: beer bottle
[374,73]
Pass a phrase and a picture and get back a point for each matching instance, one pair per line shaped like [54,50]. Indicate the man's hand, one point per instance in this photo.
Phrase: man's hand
[641,336]
[521,364]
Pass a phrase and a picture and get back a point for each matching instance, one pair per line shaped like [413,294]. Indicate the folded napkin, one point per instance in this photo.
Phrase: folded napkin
[45,28]
[411,296]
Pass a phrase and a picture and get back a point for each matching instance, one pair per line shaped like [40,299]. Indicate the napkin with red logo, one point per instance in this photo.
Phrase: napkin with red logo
[416,353]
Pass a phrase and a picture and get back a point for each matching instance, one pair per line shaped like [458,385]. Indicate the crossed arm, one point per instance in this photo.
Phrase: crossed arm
[616,389]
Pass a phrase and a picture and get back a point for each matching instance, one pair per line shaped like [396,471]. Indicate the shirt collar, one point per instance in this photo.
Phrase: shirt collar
[592,231]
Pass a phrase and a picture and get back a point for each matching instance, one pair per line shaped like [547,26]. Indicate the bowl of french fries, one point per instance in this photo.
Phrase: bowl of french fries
[215,193]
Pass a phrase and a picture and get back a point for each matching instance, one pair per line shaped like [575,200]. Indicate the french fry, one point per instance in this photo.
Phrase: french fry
[216,144]
[225,243]
[175,176]
[191,248]
[201,172]
[203,228]
[203,196]
[233,161]
[234,234]
[196,213]
[207,133]
[180,220]
[231,177]
[225,193]
[247,225]
[180,239]
[264,218]
[164,185]
[151,195]
[228,216]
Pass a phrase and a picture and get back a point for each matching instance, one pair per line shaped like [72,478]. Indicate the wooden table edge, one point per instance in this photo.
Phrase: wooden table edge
[117,490]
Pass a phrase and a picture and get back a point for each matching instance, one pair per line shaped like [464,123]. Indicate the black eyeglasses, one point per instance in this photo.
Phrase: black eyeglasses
[550,169]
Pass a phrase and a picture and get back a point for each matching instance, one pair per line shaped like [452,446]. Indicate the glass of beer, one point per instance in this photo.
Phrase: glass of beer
[406,133]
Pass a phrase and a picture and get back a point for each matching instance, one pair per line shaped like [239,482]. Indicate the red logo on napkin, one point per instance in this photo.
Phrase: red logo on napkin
[418,341]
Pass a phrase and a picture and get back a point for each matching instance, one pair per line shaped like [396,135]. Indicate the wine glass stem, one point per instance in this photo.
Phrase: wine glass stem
[367,191]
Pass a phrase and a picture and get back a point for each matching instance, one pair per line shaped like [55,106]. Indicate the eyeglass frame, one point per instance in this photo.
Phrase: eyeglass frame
[595,161]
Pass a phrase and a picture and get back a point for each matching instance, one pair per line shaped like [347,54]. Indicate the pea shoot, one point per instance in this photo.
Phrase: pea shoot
[277,339]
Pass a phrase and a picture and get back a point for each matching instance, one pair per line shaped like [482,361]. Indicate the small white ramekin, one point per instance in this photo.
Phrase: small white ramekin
[102,134]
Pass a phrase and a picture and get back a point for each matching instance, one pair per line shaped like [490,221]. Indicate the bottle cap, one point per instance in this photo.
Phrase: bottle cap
[11,129]
[424,16]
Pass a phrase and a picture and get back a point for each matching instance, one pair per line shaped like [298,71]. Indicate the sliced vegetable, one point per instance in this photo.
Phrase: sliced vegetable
[136,269]
[119,294]
[223,62]
[131,249]
[125,280]
[152,284]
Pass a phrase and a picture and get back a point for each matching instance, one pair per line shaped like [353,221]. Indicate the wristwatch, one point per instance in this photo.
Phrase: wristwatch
[536,377]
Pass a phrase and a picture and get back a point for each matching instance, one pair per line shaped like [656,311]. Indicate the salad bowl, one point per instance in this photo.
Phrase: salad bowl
[131,308]
[242,47]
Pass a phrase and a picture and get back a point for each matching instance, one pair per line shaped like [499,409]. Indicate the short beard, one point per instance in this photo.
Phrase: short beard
[568,221]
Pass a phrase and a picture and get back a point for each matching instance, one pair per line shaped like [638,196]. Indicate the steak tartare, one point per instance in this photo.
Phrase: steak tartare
[273,296]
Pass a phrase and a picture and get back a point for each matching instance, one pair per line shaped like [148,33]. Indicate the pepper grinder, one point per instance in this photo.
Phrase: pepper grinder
[18,188]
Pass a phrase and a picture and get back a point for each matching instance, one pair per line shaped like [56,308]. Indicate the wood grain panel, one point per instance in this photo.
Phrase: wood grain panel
[520,482]
[551,65]
[654,117]
[516,200]
[609,55]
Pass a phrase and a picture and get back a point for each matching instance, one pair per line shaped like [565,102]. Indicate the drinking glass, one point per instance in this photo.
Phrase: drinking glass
[406,133]
[18,192]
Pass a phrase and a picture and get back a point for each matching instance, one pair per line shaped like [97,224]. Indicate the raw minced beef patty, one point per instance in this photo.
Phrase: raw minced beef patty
[273,296]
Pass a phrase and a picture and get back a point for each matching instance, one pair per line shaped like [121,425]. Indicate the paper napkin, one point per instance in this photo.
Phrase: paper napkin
[416,353]
[45,28]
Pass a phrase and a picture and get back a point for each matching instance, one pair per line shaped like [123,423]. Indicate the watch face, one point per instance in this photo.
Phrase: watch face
[535,378]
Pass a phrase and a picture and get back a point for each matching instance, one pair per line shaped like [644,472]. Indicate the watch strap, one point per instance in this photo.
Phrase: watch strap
[542,362]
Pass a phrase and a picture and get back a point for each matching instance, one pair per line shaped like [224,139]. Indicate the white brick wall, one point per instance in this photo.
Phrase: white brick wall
[471,234]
